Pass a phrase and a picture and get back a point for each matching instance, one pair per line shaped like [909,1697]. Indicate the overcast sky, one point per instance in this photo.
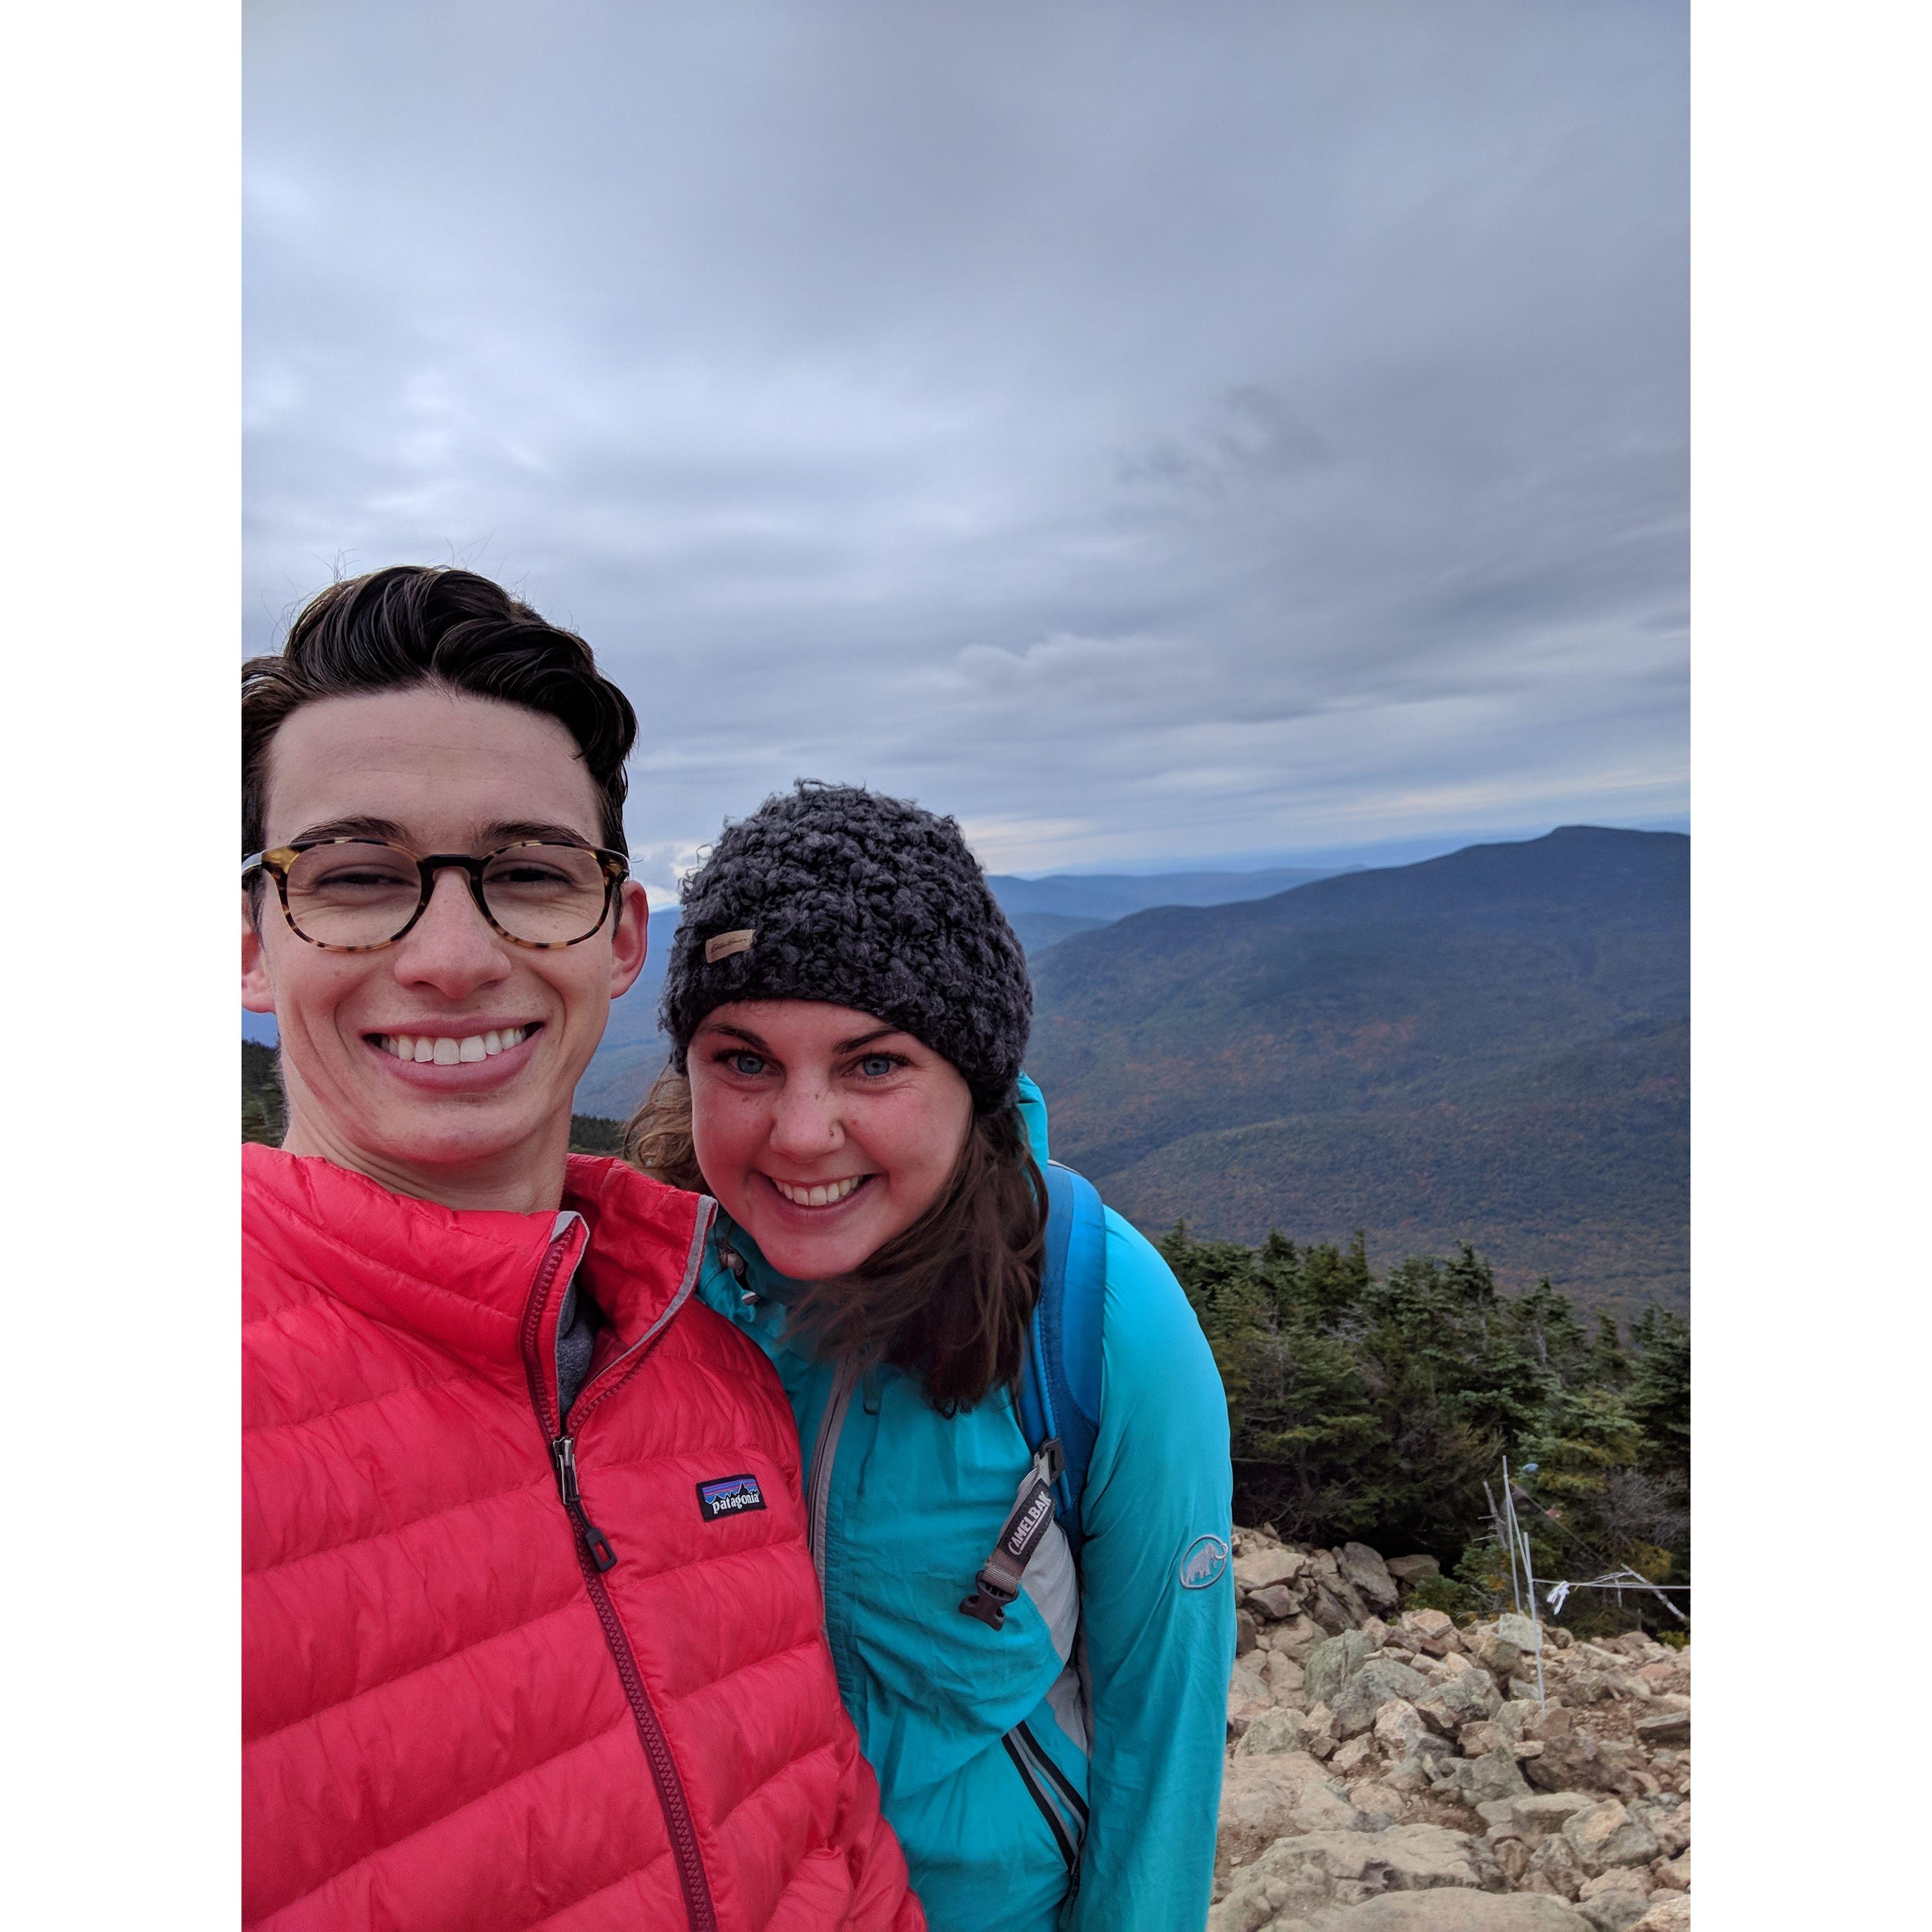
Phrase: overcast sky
[1152,433]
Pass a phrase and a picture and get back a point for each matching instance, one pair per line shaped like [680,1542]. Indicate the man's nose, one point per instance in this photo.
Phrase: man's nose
[451,947]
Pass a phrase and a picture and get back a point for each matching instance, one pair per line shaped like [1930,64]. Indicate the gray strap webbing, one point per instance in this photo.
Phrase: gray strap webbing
[1024,1530]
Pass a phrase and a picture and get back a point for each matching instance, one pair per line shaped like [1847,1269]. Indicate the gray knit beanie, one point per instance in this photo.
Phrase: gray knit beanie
[833,892]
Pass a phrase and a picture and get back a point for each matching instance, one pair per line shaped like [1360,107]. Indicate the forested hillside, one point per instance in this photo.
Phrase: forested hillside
[1491,1046]
[1376,1406]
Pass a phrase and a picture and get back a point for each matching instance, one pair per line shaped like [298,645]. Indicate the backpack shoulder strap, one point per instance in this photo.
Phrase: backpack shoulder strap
[1059,1402]
[1060,1390]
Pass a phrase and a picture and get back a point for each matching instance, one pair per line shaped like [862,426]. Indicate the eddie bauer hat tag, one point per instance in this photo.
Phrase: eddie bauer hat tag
[724,944]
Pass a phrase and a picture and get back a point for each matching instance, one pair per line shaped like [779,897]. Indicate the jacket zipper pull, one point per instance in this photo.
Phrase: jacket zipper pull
[563,1453]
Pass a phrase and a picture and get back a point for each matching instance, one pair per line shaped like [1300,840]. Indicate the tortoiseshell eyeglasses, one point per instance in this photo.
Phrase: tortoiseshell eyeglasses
[356,895]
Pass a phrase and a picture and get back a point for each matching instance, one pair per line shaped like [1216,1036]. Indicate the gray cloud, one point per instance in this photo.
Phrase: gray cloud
[1145,431]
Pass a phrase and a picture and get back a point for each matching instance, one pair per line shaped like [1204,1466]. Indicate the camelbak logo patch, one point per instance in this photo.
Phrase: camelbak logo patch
[729,1496]
[1206,1559]
[1026,1522]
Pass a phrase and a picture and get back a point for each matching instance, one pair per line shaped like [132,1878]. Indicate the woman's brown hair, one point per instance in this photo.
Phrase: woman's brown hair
[948,1299]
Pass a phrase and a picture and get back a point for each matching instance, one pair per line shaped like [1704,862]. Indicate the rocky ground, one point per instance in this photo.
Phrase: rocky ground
[1389,1771]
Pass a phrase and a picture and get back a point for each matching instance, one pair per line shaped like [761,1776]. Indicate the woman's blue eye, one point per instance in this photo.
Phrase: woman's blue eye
[876,1066]
[747,1063]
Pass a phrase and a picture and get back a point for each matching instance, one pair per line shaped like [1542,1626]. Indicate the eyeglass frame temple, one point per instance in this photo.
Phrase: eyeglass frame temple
[275,861]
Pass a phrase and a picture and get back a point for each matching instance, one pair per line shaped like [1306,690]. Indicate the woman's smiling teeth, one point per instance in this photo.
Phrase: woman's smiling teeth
[825,1195]
[444,1052]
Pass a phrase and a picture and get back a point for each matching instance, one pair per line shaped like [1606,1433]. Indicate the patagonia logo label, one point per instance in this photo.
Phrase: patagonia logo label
[1205,1561]
[722,945]
[729,1496]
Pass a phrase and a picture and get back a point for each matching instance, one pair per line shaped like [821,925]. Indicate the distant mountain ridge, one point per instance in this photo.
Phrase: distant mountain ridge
[1044,913]
[1106,896]
[1491,1045]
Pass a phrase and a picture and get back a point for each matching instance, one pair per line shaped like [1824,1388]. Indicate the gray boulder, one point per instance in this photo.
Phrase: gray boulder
[1482,1780]
[1468,1699]
[1364,1571]
[1267,1564]
[1329,1665]
[1518,1632]
[1280,1795]
[1452,1911]
[1533,1818]
[1297,1877]
[1367,1689]
[1406,1569]
[1273,1733]
[1615,1901]
[1670,1727]
[1669,1912]
[1610,1834]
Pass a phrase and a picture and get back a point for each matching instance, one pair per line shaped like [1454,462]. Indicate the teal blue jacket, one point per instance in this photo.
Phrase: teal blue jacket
[1130,1713]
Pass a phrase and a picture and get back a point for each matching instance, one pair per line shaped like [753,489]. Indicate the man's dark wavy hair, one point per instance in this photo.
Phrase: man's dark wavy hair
[414,625]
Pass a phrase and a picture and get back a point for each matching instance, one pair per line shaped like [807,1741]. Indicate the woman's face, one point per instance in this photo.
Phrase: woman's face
[823,1131]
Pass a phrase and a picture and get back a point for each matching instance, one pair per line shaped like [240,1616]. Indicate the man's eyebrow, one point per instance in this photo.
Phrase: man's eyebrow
[507,831]
[384,831]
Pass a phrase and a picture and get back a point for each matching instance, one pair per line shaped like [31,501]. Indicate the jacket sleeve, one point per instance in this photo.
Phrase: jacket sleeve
[1158,1605]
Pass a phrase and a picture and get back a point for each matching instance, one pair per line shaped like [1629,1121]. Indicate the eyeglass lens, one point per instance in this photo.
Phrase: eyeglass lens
[361,895]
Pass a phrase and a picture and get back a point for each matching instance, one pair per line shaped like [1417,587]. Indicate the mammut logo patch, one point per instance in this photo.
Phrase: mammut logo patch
[729,1496]
[1205,1560]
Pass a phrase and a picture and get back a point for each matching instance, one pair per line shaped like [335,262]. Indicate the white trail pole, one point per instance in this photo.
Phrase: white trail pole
[1509,1534]
[1536,1624]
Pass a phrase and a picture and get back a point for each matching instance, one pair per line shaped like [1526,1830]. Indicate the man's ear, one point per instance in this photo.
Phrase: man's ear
[256,996]
[632,939]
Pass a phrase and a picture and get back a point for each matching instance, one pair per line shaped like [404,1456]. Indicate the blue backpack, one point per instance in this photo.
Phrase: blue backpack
[1059,1391]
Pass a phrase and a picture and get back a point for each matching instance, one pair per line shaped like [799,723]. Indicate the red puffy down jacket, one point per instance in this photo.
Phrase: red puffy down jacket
[452,1716]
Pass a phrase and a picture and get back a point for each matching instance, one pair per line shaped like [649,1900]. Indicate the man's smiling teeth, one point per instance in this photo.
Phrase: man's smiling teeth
[818,1197]
[444,1052]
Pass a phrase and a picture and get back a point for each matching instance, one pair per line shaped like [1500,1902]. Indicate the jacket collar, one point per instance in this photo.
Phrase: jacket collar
[464,1277]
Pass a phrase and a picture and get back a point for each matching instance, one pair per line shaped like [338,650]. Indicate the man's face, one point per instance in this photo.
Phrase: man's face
[436,773]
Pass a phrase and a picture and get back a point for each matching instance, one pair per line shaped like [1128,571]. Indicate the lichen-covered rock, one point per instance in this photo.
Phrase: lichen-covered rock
[1281,1796]
[1275,1731]
[1610,1834]
[1533,1818]
[1469,1698]
[1615,1900]
[1450,1911]
[1431,1630]
[1285,1678]
[1298,1877]
[1668,1727]
[1248,1697]
[1367,1689]
[1554,1866]
[1364,1571]
[1669,1912]
[1575,1762]
[1408,1570]
[1329,1665]
[1483,1781]
[1399,1728]
[1259,1566]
